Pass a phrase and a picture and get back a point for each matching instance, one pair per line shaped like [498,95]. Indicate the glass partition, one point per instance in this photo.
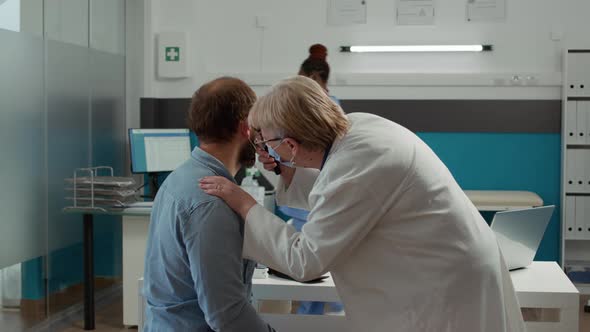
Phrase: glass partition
[62,106]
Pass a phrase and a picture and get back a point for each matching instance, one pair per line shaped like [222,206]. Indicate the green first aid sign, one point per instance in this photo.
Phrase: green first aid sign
[172,53]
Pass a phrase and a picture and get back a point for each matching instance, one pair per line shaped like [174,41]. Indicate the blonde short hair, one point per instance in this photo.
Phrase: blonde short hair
[299,108]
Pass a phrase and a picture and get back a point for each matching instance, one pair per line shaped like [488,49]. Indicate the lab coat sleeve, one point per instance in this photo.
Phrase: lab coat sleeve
[297,194]
[342,214]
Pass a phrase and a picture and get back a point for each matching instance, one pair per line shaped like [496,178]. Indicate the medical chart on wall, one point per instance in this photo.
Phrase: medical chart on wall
[347,12]
[486,10]
[415,12]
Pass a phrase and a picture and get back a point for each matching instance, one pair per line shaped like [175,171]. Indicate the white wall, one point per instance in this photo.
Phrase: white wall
[224,39]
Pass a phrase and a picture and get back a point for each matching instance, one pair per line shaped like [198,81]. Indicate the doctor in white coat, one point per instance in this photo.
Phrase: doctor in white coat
[407,249]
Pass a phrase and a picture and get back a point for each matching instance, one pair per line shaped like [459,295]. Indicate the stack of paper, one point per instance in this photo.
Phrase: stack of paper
[101,191]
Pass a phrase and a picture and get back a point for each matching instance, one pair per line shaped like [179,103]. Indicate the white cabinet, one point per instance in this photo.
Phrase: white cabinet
[135,234]
[576,159]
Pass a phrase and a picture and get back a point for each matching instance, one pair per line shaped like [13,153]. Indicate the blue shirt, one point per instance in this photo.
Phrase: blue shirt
[195,278]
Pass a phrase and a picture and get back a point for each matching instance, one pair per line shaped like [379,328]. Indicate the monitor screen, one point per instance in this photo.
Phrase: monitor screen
[158,150]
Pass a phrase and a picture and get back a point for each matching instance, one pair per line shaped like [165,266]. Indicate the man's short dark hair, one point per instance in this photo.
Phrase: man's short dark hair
[218,107]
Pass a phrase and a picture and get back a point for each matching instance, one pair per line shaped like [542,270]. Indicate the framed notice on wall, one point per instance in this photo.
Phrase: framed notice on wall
[415,12]
[347,12]
[486,10]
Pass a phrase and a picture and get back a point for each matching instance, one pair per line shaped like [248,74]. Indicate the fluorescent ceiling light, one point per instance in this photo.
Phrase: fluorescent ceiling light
[415,48]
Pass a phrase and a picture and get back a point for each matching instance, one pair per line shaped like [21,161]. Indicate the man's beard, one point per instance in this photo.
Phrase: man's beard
[247,155]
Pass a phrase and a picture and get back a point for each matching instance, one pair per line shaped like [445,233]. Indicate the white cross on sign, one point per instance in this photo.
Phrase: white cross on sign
[172,53]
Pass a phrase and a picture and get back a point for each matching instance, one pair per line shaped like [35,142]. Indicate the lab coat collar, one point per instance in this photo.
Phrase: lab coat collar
[331,147]
[326,154]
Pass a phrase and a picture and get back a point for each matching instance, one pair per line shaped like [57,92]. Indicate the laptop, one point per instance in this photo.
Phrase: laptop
[519,233]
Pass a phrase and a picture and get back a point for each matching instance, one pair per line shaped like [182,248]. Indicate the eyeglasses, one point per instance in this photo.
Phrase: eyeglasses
[261,144]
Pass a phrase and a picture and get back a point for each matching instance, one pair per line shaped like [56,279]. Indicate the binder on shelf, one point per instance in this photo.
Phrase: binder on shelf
[586,231]
[584,106]
[571,117]
[572,69]
[570,217]
[579,169]
[581,119]
[578,82]
[584,172]
[569,171]
[575,169]
[580,217]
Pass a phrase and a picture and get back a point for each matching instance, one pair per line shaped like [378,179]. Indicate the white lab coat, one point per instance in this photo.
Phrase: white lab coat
[407,249]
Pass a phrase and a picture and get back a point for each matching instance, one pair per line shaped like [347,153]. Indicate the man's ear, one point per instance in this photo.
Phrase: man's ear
[244,129]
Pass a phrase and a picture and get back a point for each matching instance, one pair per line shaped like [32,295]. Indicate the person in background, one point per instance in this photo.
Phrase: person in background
[195,278]
[317,68]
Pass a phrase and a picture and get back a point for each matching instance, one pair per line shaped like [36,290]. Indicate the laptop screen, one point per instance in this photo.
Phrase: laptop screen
[519,233]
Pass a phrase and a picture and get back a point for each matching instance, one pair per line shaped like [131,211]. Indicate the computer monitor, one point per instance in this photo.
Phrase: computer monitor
[158,150]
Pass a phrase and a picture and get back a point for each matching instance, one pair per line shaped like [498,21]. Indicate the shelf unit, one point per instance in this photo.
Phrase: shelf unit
[575,190]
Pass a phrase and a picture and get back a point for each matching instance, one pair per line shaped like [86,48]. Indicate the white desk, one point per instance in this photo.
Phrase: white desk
[135,234]
[543,285]
[274,288]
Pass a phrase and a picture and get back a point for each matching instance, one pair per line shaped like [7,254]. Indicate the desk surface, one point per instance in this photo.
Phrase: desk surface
[139,211]
[275,288]
[538,278]
[542,277]
[484,200]
[273,281]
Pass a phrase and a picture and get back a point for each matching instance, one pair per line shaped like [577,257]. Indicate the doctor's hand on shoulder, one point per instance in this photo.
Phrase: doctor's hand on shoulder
[234,196]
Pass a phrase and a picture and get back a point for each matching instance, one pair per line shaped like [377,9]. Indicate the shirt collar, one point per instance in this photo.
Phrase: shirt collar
[211,163]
